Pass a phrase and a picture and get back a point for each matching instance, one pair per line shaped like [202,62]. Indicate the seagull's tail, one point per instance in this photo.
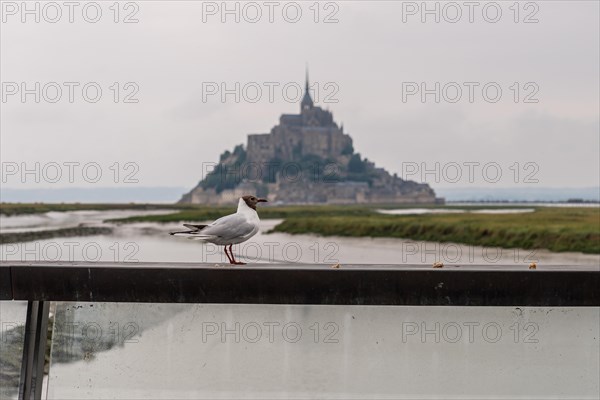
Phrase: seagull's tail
[182,233]
[193,233]
[193,229]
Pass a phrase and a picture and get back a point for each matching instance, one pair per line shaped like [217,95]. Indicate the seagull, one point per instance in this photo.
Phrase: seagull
[230,229]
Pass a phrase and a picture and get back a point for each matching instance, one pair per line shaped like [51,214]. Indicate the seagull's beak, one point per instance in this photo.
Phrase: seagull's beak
[262,201]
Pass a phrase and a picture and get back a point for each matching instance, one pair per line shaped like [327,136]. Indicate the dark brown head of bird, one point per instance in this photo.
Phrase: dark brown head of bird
[252,201]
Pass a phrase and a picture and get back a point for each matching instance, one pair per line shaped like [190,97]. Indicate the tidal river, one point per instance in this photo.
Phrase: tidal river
[152,242]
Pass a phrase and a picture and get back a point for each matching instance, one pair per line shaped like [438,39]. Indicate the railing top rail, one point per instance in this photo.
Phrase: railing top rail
[289,266]
[376,284]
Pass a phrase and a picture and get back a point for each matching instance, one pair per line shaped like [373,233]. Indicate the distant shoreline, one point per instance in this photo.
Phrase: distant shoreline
[171,194]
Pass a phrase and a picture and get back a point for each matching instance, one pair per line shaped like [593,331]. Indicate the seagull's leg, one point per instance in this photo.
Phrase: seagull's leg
[233,257]
[227,254]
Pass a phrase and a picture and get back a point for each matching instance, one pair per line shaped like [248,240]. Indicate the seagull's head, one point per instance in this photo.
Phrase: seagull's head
[252,201]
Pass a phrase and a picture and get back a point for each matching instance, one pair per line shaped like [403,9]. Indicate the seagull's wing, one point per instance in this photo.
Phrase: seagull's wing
[229,227]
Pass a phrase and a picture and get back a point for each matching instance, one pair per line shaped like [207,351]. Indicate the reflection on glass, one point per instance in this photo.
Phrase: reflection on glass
[12,329]
[159,351]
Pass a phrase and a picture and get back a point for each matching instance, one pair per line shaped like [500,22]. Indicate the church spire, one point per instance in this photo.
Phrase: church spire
[306,80]
[307,102]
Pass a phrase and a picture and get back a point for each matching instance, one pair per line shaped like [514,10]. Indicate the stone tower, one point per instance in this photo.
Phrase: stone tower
[312,132]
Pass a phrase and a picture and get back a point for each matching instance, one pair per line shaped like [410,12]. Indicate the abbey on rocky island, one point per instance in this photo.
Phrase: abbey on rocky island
[306,158]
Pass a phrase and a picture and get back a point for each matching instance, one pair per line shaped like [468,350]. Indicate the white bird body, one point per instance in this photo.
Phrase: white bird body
[230,229]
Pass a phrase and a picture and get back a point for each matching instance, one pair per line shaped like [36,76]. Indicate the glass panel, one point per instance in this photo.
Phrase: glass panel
[12,328]
[158,351]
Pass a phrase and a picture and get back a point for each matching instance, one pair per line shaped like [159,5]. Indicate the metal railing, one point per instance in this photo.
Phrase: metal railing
[375,285]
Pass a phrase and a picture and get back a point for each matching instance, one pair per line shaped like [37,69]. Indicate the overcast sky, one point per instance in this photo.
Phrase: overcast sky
[369,57]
